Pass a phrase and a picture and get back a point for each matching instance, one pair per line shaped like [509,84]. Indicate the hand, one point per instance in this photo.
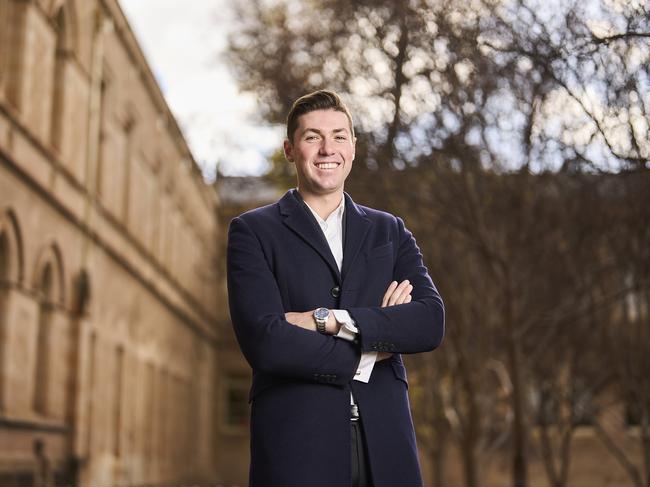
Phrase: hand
[395,294]
[303,320]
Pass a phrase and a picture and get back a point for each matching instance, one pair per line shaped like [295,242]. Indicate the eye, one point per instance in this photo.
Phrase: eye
[341,137]
[311,137]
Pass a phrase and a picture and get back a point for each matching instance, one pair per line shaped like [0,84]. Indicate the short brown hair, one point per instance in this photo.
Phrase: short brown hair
[318,100]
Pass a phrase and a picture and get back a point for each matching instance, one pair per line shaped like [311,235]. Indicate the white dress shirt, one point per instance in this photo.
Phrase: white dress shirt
[333,230]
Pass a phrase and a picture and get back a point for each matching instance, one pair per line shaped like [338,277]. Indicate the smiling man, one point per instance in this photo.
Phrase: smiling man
[325,295]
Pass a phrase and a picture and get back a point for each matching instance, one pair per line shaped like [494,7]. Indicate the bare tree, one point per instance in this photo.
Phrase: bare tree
[495,129]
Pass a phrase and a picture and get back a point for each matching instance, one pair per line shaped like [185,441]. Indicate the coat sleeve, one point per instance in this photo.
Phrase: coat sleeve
[270,343]
[415,327]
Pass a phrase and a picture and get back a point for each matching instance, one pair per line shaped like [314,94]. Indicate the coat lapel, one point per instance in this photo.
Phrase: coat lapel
[298,219]
[357,225]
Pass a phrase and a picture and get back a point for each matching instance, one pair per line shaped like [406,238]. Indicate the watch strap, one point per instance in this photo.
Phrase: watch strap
[321,322]
[320,326]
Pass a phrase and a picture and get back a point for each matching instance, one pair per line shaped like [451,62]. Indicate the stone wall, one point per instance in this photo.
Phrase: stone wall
[108,238]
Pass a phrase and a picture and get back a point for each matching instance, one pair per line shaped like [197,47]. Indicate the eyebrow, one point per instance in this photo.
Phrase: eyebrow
[335,131]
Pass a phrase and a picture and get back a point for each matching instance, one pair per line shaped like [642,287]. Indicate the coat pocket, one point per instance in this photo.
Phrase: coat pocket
[400,371]
[381,251]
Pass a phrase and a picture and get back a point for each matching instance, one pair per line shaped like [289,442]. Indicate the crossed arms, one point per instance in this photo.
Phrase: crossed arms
[275,343]
[394,295]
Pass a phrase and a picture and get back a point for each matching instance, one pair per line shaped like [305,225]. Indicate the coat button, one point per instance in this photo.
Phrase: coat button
[335,291]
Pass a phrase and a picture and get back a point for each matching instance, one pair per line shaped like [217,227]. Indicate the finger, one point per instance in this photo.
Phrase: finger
[408,299]
[397,293]
[406,293]
[388,293]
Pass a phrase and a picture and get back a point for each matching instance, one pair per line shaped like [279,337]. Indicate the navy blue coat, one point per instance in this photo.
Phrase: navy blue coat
[279,261]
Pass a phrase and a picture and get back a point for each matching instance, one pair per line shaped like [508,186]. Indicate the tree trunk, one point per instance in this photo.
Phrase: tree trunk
[519,447]
[441,430]
[645,439]
[438,464]
[400,79]
[470,471]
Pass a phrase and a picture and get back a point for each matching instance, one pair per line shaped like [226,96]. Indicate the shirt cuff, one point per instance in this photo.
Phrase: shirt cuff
[366,364]
[348,330]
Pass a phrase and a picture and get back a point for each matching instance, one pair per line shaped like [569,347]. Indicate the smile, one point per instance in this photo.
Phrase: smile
[327,165]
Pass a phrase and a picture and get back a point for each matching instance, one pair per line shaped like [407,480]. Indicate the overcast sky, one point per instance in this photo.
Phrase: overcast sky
[183,41]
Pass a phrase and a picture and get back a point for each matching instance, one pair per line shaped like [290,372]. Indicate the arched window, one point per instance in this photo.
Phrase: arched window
[10,275]
[11,261]
[4,286]
[48,284]
[4,258]
[43,339]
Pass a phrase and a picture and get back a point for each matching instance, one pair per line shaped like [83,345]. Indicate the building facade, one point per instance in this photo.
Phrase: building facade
[109,304]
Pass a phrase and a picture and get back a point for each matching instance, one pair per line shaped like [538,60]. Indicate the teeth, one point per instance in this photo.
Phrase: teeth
[326,165]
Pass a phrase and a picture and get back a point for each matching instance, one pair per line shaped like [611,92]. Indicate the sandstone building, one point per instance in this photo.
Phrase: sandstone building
[110,310]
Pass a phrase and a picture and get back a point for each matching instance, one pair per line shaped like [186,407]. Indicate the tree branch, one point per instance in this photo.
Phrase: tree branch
[617,37]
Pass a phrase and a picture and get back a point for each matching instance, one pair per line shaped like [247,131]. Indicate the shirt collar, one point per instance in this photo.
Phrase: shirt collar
[335,216]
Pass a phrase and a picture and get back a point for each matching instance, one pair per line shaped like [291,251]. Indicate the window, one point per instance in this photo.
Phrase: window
[4,286]
[117,402]
[4,259]
[82,293]
[236,413]
[4,42]
[92,393]
[15,37]
[43,339]
[10,275]
[59,66]
[101,153]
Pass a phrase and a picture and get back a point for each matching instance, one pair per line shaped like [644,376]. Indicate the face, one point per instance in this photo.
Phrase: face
[323,150]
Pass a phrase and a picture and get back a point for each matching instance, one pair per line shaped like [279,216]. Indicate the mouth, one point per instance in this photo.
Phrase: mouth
[327,166]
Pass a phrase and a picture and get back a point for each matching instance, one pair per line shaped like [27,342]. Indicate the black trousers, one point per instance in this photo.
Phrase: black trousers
[360,466]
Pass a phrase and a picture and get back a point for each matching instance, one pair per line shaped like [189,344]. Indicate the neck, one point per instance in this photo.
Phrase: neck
[322,204]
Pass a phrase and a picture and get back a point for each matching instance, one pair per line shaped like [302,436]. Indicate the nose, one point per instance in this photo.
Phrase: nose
[326,146]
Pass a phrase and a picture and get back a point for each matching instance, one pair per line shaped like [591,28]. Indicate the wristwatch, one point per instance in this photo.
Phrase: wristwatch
[321,315]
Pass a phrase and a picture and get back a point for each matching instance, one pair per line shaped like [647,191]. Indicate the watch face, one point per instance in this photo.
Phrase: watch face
[321,313]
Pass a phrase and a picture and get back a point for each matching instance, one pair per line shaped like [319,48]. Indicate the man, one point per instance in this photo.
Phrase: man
[320,317]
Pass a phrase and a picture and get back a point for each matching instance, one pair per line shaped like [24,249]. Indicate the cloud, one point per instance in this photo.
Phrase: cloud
[182,42]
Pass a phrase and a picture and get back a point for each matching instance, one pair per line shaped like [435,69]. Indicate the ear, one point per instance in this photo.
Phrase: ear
[288,150]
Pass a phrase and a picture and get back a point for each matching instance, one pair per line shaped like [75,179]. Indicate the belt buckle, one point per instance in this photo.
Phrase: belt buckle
[354,412]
